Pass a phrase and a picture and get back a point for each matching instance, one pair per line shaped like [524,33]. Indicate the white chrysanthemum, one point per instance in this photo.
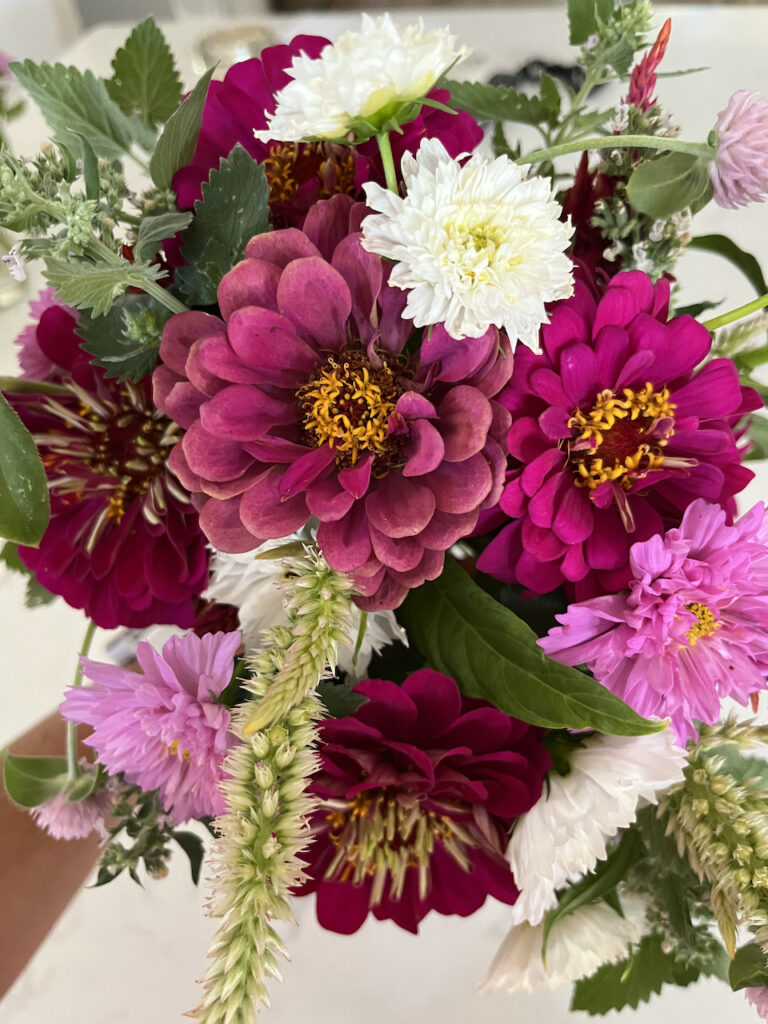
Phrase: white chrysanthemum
[475,244]
[564,835]
[578,944]
[253,586]
[363,74]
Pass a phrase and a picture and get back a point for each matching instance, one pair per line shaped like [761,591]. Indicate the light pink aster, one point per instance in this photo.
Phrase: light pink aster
[691,629]
[739,171]
[163,727]
[758,997]
[62,818]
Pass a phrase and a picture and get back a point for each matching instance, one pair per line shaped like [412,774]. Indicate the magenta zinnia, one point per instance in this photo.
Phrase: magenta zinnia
[613,434]
[301,402]
[418,790]
[691,629]
[163,727]
[123,542]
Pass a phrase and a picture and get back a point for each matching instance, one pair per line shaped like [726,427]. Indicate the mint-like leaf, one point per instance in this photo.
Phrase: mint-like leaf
[146,81]
[177,143]
[96,286]
[669,183]
[24,504]
[30,781]
[497,103]
[154,230]
[749,968]
[36,594]
[119,351]
[723,246]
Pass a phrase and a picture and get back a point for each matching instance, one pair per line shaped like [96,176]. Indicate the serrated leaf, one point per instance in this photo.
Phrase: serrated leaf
[30,781]
[234,207]
[550,95]
[493,654]
[76,103]
[36,595]
[145,80]
[497,103]
[631,981]
[24,503]
[96,286]
[339,699]
[667,184]
[154,230]
[192,845]
[582,18]
[723,246]
[119,355]
[177,143]
[748,969]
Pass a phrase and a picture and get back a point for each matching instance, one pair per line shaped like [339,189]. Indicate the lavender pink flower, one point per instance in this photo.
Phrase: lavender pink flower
[614,432]
[62,818]
[691,630]
[301,402]
[163,727]
[758,997]
[739,171]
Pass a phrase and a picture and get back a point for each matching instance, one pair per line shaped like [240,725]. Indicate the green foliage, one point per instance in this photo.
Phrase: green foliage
[177,143]
[24,504]
[669,183]
[36,594]
[583,18]
[145,81]
[499,103]
[125,341]
[631,981]
[723,246]
[30,781]
[154,230]
[90,169]
[192,845]
[76,104]
[234,208]
[96,286]
[141,821]
[748,969]
[757,432]
[493,654]
[339,699]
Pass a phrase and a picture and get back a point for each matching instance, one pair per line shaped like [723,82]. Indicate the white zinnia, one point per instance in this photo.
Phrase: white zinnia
[253,586]
[563,836]
[382,66]
[475,244]
[578,944]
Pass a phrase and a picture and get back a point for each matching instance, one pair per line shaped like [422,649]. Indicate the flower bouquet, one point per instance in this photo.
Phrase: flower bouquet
[403,427]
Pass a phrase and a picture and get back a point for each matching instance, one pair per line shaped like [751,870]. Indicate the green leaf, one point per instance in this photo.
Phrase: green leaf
[83,786]
[90,169]
[757,432]
[550,95]
[76,103]
[723,246]
[145,81]
[669,183]
[22,386]
[154,230]
[631,981]
[493,654]
[96,286]
[234,208]
[582,18]
[24,504]
[30,781]
[597,885]
[114,350]
[697,308]
[339,699]
[177,143]
[36,594]
[192,845]
[748,969]
[497,103]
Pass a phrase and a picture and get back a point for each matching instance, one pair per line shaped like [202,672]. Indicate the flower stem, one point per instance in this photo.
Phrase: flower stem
[385,148]
[73,769]
[736,314]
[616,142]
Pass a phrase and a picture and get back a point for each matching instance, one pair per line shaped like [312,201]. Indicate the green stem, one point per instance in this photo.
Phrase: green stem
[99,250]
[616,142]
[736,314]
[73,769]
[385,148]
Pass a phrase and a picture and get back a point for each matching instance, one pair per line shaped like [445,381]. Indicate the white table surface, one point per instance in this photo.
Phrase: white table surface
[123,955]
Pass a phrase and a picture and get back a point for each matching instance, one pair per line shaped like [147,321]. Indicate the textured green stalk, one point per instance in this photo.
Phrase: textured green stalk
[266,826]
[736,314]
[73,769]
[616,142]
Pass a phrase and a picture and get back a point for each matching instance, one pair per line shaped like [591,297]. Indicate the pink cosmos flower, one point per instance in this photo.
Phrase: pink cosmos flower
[123,542]
[758,997]
[691,629]
[63,819]
[163,727]
[739,171]
[613,434]
[301,402]
[419,788]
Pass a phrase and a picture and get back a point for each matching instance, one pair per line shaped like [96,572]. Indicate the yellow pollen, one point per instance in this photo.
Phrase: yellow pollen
[705,625]
[173,750]
[116,503]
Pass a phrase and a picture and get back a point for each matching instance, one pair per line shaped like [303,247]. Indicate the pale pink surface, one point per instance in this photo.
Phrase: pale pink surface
[739,171]
[758,997]
[63,819]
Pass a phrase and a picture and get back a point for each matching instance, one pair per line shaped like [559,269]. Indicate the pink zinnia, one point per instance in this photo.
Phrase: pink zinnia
[62,818]
[302,402]
[691,630]
[163,727]
[418,789]
[614,432]
[739,170]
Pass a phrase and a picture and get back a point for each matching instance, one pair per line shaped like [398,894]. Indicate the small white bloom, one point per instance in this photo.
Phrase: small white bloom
[681,224]
[475,245]
[620,119]
[15,265]
[564,835]
[253,585]
[613,251]
[641,259]
[656,234]
[363,74]
[578,944]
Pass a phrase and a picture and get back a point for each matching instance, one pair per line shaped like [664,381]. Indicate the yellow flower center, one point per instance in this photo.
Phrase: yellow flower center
[705,625]
[621,437]
[173,751]
[289,164]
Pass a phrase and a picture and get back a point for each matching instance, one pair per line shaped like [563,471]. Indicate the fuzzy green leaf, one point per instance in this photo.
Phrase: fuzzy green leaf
[550,95]
[723,246]
[96,286]
[339,700]
[177,143]
[234,208]
[154,230]
[76,103]
[30,781]
[497,103]
[493,654]
[145,81]
[90,169]
[667,184]
[192,845]
[119,355]
[24,504]
[748,969]
[582,18]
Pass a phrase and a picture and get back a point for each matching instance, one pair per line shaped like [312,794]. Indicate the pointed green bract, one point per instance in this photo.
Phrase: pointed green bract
[177,143]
